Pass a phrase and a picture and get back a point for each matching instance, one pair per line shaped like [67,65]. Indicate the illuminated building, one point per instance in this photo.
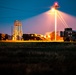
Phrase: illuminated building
[17,31]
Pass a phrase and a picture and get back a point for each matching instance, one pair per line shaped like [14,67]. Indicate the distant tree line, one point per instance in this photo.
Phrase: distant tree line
[3,36]
[31,37]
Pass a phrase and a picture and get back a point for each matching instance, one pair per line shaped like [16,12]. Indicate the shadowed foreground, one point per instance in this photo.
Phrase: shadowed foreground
[53,58]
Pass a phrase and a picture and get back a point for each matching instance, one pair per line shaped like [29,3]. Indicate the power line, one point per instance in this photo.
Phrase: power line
[27,11]
[11,16]
[11,8]
[21,10]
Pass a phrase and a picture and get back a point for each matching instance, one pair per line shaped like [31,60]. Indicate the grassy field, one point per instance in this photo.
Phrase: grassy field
[31,58]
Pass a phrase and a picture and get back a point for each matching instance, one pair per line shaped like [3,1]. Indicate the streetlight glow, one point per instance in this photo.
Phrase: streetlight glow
[55,13]
[53,9]
[55,23]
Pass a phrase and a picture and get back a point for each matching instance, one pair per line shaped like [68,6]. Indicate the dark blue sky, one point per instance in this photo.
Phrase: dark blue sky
[11,10]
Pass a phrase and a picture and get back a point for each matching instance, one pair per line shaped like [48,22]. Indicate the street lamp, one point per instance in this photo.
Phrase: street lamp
[55,24]
[54,8]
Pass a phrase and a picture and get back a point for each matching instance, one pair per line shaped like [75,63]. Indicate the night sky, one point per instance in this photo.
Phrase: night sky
[27,10]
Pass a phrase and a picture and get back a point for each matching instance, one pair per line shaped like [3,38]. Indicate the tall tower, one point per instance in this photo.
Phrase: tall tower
[17,30]
[55,7]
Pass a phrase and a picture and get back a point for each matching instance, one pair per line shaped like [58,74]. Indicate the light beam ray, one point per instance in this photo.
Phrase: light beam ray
[62,19]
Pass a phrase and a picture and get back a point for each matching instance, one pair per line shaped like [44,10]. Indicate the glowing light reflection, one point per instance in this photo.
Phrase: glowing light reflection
[45,23]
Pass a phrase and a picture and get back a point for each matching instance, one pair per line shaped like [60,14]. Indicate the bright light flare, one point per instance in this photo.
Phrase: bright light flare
[53,9]
[44,36]
[48,36]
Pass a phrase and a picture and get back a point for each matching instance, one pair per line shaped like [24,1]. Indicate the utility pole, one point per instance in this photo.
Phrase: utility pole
[55,24]
[55,7]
